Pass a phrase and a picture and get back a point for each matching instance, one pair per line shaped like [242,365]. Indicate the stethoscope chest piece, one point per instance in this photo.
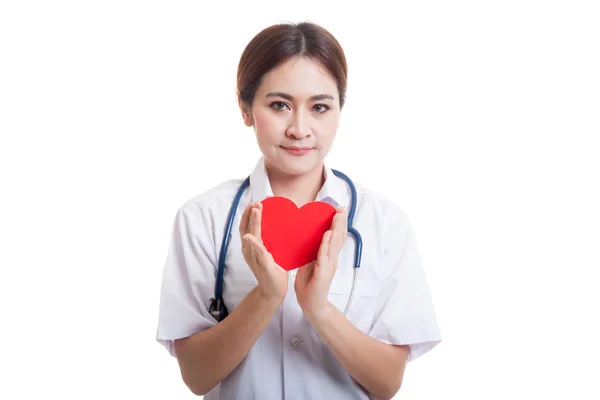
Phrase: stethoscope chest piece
[218,310]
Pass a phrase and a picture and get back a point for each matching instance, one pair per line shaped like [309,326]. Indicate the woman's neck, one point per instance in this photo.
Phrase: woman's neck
[301,189]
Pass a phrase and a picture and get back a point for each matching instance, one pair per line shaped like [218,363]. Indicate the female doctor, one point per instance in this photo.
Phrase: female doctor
[287,335]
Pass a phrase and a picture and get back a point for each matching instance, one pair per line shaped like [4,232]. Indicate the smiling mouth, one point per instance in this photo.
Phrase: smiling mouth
[297,151]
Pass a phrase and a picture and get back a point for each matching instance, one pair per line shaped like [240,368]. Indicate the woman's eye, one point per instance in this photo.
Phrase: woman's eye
[278,105]
[321,108]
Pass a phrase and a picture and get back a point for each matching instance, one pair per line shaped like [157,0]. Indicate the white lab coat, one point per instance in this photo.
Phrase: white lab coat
[392,301]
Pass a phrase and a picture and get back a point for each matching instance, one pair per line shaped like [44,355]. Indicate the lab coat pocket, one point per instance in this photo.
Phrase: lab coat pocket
[362,308]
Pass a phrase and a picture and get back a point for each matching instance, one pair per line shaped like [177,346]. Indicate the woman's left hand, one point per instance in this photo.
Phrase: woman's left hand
[314,279]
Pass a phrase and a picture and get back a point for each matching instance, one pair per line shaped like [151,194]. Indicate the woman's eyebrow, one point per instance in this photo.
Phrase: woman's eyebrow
[290,98]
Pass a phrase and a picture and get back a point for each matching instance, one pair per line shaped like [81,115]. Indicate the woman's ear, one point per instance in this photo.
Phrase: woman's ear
[246,113]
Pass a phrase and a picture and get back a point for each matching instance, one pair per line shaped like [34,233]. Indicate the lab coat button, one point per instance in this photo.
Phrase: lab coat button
[295,342]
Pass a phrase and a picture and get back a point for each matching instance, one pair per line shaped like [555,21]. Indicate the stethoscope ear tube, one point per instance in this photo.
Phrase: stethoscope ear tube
[358,242]
[217,307]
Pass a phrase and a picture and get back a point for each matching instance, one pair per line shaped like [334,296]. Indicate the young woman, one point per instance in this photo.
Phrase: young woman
[288,335]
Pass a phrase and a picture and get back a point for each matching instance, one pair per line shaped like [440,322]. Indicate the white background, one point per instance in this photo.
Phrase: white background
[480,119]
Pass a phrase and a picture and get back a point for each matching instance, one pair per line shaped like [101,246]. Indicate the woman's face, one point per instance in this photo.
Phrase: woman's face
[295,114]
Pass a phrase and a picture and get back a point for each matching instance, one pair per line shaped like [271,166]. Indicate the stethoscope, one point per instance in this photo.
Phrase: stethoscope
[217,307]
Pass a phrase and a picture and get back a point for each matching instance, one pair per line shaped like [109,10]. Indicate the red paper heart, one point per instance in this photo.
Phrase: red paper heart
[293,235]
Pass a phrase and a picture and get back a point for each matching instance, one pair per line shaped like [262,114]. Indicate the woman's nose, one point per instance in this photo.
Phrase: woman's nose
[299,125]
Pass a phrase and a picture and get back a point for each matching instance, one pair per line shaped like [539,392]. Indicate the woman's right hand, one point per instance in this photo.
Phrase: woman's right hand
[272,278]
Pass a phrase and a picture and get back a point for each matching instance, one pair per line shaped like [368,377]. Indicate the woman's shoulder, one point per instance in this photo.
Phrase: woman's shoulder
[213,200]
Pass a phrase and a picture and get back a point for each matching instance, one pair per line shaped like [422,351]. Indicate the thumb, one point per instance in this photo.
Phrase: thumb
[304,275]
[255,247]
[250,241]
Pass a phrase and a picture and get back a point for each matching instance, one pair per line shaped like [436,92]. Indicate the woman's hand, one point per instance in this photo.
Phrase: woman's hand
[272,279]
[314,279]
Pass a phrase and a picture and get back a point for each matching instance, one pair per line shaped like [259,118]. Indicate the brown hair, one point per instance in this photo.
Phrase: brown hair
[277,44]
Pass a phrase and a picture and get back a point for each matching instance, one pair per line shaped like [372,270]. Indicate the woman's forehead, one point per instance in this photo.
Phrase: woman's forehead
[299,77]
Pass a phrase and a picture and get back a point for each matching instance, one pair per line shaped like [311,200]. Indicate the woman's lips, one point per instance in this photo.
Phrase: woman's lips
[296,152]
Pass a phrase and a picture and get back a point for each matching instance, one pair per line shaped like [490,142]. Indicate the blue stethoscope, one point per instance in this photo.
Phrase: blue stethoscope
[217,307]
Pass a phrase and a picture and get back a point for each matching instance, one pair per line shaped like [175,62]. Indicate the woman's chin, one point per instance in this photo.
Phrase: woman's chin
[297,165]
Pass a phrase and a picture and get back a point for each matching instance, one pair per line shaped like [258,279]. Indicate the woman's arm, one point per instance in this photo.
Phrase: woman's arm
[377,366]
[207,357]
